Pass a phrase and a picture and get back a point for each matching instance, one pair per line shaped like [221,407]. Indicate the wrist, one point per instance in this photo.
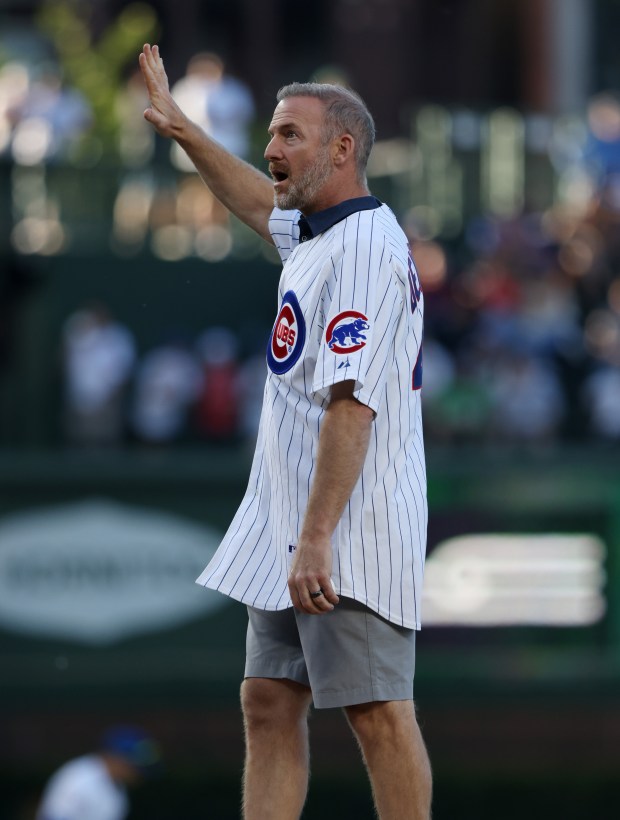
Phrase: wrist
[186,132]
[315,534]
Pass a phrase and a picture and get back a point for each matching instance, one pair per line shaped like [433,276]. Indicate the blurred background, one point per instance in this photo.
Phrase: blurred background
[134,314]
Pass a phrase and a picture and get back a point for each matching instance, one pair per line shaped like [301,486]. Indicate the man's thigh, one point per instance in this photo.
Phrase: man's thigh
[348,656]
[353,655]
[273,647]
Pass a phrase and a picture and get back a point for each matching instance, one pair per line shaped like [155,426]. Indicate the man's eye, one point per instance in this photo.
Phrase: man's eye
[291,134]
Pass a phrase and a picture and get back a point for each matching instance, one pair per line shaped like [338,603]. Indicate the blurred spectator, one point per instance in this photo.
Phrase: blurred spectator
[48,120]
[253,340]
[220,104]
[167,382]
[439,369]
[251,388]
[14,84]
[549,315]
[602,149]
[527,398]
[601,396]
[136,189]
[459,407]
[131,213]
[94,786]
[98,359]
[136,137]
[191,92]
[230,111]
[223,107]
[218,407]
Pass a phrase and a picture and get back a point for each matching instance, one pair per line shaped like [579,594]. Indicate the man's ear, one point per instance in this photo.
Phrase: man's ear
[343,150]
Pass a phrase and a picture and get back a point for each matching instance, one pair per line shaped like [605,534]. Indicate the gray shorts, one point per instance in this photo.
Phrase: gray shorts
[347,656]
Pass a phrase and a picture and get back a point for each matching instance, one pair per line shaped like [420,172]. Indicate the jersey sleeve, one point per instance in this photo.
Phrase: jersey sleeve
[284,230]
[360,320]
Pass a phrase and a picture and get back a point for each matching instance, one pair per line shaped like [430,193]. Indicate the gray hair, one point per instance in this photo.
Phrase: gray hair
[345,112]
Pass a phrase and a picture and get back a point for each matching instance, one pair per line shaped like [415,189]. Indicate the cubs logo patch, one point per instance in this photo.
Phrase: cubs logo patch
[287,337]
[345,332]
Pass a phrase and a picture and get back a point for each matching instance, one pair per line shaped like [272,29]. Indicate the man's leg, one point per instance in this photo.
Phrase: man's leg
[396,758]
[277,759]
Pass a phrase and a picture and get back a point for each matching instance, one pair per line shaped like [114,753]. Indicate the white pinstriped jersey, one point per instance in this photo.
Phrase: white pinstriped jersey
[350,308]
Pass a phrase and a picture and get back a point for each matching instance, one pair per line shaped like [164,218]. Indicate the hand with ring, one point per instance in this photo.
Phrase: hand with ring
[309,581]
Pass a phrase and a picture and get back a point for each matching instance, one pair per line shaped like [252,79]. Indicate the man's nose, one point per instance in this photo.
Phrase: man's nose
[272,151]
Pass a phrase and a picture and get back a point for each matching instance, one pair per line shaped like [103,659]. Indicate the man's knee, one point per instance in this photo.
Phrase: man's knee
[270,703]
[371,721]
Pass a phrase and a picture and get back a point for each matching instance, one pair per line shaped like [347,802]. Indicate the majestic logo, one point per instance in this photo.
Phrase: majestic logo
[344,332]
[288,336]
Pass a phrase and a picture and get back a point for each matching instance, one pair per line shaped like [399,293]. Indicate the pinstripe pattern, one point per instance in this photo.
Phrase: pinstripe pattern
[358,265]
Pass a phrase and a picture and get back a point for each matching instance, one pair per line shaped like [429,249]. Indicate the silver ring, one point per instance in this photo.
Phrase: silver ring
[316,594]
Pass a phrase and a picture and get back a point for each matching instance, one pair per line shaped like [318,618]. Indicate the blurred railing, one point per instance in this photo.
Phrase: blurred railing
[452,166]
[521,280]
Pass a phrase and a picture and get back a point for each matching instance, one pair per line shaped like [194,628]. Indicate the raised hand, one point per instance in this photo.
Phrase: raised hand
[163,114]
[243,189]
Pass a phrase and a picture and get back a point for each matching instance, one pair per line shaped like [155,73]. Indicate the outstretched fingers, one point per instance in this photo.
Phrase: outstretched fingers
[162,112]
[152,67]
[152,57]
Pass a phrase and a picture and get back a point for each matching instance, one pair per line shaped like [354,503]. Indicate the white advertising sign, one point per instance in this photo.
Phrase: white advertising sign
[98,571]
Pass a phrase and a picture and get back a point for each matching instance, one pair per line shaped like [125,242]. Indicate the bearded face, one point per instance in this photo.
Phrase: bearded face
[302,186]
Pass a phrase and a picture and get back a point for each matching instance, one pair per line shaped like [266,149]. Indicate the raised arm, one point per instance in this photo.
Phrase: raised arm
[240,187]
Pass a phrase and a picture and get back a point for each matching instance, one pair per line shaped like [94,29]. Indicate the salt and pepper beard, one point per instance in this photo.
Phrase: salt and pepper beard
[303,191]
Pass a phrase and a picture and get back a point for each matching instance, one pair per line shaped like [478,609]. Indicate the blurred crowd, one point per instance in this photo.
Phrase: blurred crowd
[523,312]
[522,345]
[522,332]
[45,119]
[182,390]
[40,117]
[523,315]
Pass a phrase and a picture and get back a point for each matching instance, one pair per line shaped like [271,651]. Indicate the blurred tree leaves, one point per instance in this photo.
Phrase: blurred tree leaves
[97,69]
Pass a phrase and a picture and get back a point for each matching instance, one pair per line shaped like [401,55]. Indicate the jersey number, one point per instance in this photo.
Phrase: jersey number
[414,282]
[416,293]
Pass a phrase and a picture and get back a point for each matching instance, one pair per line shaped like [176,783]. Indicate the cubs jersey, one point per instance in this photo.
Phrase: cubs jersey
[350,308]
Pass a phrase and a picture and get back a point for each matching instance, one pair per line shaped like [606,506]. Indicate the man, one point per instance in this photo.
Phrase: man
[94,786]
[334,518]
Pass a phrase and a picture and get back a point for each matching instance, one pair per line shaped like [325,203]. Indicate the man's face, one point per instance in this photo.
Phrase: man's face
[299,161]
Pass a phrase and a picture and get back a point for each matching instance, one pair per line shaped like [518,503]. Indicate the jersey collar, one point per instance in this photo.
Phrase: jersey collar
[321,221]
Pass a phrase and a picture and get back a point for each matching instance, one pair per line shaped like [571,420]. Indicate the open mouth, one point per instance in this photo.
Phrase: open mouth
[279,176]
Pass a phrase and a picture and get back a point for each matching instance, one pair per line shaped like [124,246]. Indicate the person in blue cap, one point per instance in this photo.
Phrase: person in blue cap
[94,786]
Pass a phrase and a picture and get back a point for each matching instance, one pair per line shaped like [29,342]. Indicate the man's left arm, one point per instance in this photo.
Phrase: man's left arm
[343,444]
